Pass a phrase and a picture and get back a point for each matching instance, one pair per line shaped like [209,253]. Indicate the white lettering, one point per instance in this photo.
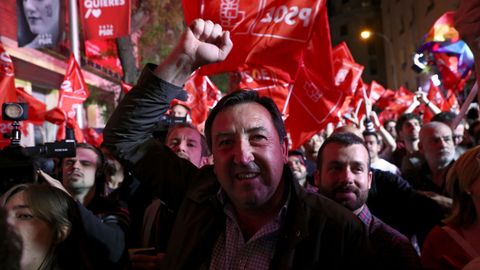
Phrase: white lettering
[288,15]
[105,30]
[103,3]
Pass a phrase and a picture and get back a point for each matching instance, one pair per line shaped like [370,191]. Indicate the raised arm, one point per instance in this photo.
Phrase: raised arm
[128,132]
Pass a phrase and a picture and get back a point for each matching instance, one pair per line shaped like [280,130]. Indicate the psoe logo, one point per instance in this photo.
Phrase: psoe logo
[312,91]
[230,13]
[105,30]
[66,86]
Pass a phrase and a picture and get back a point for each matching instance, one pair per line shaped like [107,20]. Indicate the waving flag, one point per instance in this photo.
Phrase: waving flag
[7,78]
[36,108]
[271,33]
[73,91]
[202,96]
[315,98]
[265,81]
[443,30]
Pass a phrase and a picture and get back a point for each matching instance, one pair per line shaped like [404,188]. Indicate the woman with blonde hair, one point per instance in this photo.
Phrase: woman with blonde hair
[457,244]
[49,224]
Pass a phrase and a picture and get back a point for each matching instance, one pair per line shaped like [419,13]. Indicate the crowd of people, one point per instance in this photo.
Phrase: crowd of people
[403,195]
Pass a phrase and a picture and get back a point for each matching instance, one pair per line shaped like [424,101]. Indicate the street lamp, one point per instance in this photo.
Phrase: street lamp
[366,34]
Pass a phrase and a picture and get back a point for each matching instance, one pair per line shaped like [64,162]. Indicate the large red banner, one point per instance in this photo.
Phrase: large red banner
[105,19]
[266,33]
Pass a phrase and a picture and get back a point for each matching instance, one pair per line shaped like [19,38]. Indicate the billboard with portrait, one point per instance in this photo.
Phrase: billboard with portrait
[39,23]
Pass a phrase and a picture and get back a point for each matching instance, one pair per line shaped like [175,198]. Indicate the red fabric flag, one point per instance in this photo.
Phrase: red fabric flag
[55,116]
[385,99]
[103,52]
[376,91]
[92,137]
[36,108]
[201,93]
[271,33]
[443,29]
[73,91]
[401,100]
[343,64]
[315,99]
[436,97]
[71,123]
[105,19]
[265,81]
[8,93]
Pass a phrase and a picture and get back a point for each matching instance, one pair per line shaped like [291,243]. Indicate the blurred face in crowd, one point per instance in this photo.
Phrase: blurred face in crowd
[179,111]
[42,15]
[373,146]
[390,127]
[186,142]
[248,156]
[37,235]
[78,174]
[298,167]
[313,145]
[458,134]
[344,175]
[410,130]
[113,168]
[436,144]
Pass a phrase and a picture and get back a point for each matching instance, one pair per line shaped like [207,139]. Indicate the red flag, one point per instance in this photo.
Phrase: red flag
[93,137]
[436,97]
[443,29]
[36,108]
[376,91]
[73,90]
[71,123]
[385,99]
[315,99]
[343,64]
[271,33]
[265,81]
[401,100]
[7,78]
[103,52]
[200,93]
[105,19]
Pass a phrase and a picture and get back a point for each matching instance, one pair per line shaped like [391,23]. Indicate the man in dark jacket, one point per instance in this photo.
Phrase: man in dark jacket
[245,210]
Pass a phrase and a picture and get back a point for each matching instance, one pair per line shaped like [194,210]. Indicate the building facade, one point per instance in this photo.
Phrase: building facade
[400,27]
[41,72]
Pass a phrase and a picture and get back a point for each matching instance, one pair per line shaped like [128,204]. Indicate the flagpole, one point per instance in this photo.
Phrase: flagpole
[74,32]
[465,106]
[287,100]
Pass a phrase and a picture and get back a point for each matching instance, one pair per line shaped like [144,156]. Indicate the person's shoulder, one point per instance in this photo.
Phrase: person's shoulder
[325,208]
[384,230]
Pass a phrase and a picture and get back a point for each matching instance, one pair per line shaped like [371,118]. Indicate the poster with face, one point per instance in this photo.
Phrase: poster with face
[38,23]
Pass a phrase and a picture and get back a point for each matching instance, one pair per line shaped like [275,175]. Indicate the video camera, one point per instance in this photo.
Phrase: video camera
[166,121]
[19,164]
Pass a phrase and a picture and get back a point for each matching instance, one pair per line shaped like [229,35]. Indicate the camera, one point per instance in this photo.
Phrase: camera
[166,121]
[19,164]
